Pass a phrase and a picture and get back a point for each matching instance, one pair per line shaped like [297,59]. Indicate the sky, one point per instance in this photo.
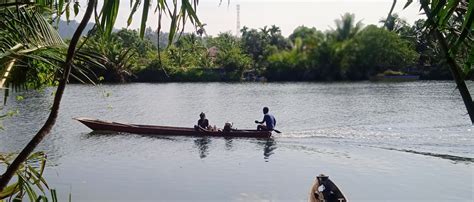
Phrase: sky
[286,14]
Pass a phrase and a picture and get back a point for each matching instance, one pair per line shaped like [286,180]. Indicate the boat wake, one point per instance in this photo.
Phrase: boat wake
[443,156]
[333,133]
[443,146]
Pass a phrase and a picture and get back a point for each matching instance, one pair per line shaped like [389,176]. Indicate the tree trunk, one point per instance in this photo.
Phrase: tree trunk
[453,67]
[390,15]
[48,125]
[457,75]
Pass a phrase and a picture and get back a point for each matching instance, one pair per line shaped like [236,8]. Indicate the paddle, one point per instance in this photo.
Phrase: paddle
[277,131]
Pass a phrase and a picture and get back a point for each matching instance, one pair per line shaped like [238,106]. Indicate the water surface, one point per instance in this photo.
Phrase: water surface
[378,141]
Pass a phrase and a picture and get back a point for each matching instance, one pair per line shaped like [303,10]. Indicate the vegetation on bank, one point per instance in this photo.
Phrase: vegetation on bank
[351,51]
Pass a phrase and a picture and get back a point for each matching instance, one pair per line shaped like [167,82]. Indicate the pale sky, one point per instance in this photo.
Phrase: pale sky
[286,14]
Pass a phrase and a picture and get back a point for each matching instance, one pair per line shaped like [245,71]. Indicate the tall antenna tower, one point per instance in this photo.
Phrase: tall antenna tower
[237,32]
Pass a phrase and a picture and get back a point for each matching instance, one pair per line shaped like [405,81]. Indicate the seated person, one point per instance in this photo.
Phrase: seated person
[228,127]
[268,119]
[203,123]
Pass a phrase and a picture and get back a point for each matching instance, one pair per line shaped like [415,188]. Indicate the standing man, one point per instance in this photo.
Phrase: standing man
[268,119]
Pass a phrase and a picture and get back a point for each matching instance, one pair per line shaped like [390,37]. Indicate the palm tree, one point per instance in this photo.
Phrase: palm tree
[244,30]
[346,27]
[265,31]
[200,30]
[31,37]
[274,30]
[389,23]
[394,23]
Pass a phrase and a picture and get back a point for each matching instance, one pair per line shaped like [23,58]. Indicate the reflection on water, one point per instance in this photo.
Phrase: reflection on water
[202,144]
[270,146]
[228,143]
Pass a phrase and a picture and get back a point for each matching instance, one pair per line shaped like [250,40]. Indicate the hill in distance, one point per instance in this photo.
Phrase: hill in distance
[67,30]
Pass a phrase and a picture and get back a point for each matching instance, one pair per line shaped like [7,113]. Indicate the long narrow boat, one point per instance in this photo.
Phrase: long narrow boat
[100,125]
[324,190]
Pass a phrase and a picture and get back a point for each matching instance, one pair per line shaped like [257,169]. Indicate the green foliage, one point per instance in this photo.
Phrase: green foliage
[28,40]
[311,37]
[193,58]
[344,53]
[430,58]
[455,20]
[30,181]
[375,50]
[395,24]
[32,53]
[130,39]
[346,27]
[230,57]
[290,64]
[260,44]
[121,53]
[7,114]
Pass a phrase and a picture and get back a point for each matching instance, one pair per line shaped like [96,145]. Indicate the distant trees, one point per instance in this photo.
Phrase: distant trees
[260,44]
[346,27]
[350,51]
[230,56]
[376,50]
[347,52]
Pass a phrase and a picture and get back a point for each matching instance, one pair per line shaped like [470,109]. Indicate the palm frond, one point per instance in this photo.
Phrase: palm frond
[24,32]
[27,36]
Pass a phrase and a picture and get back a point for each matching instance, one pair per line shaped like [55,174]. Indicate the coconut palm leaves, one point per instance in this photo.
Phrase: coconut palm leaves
[31,50]
[25,35]
[178,12]
[455,20]
[346,27]
[30,181]
[117,59]
[452,23]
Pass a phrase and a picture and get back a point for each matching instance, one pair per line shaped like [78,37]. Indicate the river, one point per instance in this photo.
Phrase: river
[378,141]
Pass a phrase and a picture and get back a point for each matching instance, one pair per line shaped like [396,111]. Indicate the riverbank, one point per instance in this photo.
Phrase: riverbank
[216,76]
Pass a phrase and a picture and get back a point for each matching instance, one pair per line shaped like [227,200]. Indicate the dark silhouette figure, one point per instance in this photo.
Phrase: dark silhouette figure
[203,123]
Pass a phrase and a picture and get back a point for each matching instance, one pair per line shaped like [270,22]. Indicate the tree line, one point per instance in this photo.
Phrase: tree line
[350,51]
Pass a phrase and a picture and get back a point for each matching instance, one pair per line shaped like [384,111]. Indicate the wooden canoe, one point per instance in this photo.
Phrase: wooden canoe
[99,125]
[324,190]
